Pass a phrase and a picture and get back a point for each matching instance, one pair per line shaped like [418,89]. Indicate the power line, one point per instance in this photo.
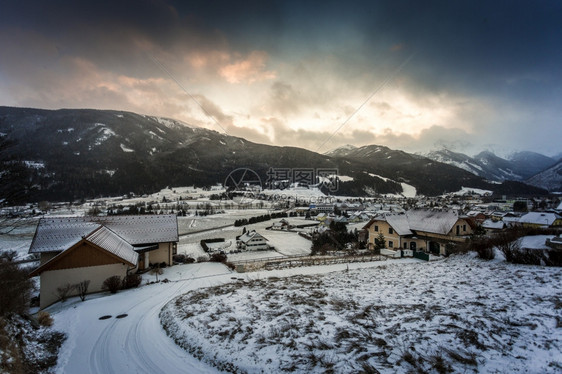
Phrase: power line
[380,87]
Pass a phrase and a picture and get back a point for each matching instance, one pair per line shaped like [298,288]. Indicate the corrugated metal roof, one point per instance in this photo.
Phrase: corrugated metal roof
[113,243]
[143,229]
[55,235]
[59,233]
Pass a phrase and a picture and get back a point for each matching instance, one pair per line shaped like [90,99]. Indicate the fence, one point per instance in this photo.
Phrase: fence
[296,261]
[421,255]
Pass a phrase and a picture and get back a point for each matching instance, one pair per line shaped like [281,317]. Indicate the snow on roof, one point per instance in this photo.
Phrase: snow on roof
[59,233]
[437,222]
[113,243]
[399,223]
[473,213]
[434,221]
[249,236]
[496,225]
[143,229]
[510,219]
[55,238]
[539,218]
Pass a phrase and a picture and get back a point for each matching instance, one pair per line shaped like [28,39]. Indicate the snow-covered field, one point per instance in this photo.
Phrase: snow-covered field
[470,190]
[457,315]
[16,235]
[285,243]
[137,343]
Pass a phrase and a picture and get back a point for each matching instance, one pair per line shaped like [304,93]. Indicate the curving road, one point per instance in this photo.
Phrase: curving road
[137,343]
[133,344]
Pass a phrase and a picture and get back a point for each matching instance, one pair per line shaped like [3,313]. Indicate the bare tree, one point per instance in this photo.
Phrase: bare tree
[64,291]
[156,270]
[82,289]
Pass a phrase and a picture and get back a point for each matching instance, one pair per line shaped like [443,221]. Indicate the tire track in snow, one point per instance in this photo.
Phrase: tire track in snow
[124,345]
[136,342]
[99,362]
[110,342]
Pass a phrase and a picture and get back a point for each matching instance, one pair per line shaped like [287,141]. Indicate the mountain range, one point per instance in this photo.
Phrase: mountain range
[520,166]
[73,154]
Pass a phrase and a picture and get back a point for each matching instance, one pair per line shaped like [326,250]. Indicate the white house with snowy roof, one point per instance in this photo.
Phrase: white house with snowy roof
[76,249]
[252,241]
[541,219]
[492,226]
[419,230]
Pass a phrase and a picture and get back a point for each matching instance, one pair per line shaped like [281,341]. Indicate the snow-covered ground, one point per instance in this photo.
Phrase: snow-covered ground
[535,241]
[16,235]
[408,190]
[470,191]
[137,343]
[461,314]
[253,255]
[285,243]
[288,243]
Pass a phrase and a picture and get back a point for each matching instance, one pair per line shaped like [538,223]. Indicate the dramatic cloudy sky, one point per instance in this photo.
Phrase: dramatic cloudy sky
[412,75]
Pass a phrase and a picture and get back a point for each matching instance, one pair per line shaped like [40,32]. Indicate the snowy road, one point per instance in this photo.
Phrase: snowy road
[137,343]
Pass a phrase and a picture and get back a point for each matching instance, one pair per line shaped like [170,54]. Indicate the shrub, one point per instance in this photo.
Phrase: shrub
[44,319]
[230,265]
[156,270]
[183,259]
[82,289]
[218,257]
[202,259]
[15,286]
[131,281]
[64,291]
[511,249]
[112,284]
[8,256]
[485,252]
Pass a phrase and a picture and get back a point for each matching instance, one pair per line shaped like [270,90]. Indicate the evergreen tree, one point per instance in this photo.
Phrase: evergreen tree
[380,241]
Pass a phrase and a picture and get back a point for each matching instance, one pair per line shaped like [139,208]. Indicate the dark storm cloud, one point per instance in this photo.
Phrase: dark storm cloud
[116,35]
[502,57]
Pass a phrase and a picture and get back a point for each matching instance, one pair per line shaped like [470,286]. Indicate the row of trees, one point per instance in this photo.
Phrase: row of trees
[265,217]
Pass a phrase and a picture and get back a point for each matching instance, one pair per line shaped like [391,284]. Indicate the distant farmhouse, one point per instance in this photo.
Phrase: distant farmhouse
[76,249]
[252,241]
[419,230]
[282,225]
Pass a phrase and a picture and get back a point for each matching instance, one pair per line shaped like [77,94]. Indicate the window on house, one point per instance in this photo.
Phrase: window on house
[463,227]
[390,230]
[390,244]
[376,228]
[405,245]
